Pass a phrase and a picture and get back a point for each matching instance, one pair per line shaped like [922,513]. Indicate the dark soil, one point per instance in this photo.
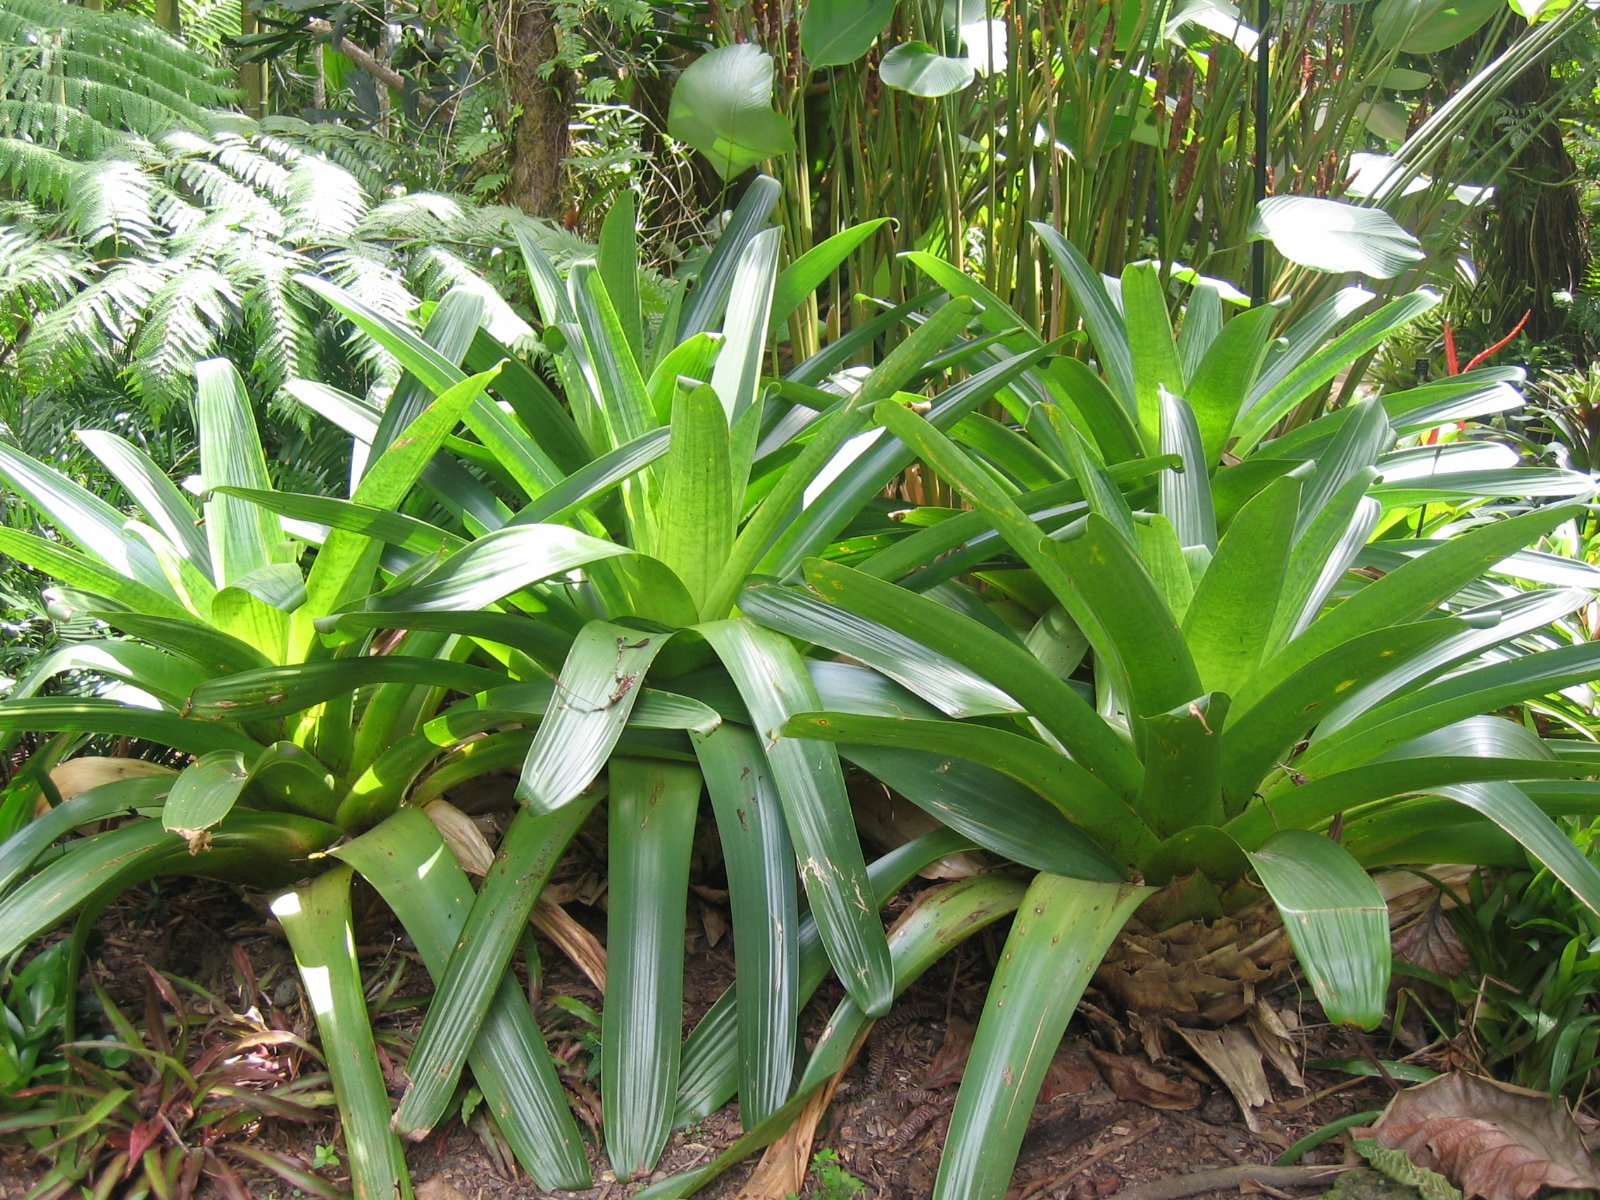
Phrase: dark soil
[886,1122]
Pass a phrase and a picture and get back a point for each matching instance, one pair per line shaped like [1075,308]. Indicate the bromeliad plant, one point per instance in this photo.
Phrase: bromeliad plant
[1245,671]
[559,565]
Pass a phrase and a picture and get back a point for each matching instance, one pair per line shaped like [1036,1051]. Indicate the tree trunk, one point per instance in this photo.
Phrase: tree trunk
[1537,242]
[541,139]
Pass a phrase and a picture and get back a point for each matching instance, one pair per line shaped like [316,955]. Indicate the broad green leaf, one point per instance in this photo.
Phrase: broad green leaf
[345,565]
[163,504]
[1100,315]
[394,528]
[1063,929]
[987,654]
[1186,490]
[203,793]
[1455,698]
[1112,598]
[737,374]
[108,717]
[1151,345]
[597,690]
[1320,364]
[93,575]
[1073,791]
[406,860]
[1183,772]
[1221,383]
[695,519]
[118,798]
[766,921]
[651,822]
[450,330]
[1414,589]
[917,68]
[618,261]
[708,298]
[940,680]
[836,32]
[317,920]
[528,853]
[492,567]
[245,617]
[580,489]
[247,847]
[1230,618]
[280,691]
[212,649]
[1335,236]
[722,107]
[816,266]
[243,537]
[773,683]
[1336,919]
[997,813]
[1267,724]
[1324,549]
[612,370]
[84,518]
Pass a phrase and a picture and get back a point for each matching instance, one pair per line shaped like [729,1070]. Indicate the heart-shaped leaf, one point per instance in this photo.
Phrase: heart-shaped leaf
[835,32]
[1328,235]
[919,69]
[722,107]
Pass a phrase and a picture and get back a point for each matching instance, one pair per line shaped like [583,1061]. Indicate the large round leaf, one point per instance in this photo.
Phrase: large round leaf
[918,68]
[1328,235]
[722,106]
[835,32]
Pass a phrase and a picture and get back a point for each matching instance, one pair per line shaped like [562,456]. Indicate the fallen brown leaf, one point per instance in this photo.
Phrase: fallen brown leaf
[1431,942]
[1070,1074]
[1235,1058]
[1136,1080]
[1487,1138]
[951,1060]
[439,1188]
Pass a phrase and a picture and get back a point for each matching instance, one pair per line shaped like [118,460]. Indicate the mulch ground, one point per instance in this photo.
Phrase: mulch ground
[886,1122]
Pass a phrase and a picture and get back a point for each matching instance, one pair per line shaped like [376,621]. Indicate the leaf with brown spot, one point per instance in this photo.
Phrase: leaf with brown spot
[1136,1080]
[1489,1139]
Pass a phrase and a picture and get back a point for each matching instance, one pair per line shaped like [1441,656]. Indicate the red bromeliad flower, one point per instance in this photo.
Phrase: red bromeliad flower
[1452,364]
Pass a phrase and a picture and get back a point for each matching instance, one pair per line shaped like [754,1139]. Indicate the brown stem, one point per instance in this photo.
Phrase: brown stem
[1225,1179]
[368,62]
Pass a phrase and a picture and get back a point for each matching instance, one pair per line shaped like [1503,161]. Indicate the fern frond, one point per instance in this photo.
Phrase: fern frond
[325,203]
[140,49]
[189,316]
[47,123]
[40,174]
[218,190]
[35,274]
[277,318]
[369,156]
[89,333]
[246,163]
[435,270]
[114,200]
[413,217]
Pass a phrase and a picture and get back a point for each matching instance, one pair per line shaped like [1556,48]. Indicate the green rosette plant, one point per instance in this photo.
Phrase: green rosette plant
[518,579]
[1283,661]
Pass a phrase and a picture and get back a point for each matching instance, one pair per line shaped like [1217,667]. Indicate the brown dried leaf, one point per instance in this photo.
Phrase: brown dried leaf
[951,1060]
[439,1188]
[78,775]
[1235,1058]
[1136,1080]
[1070,1074]
[465,839]
[576,942]
[1431,942]
[1488,1138]
[714,924]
